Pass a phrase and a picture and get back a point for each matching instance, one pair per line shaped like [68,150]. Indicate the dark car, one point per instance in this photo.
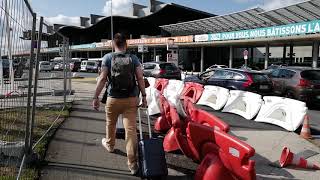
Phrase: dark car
[17,68]
[75,66]
[301,83]
[235,79]
[161,70]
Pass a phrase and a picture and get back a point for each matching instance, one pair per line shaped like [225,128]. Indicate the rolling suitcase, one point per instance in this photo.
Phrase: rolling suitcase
[152,158]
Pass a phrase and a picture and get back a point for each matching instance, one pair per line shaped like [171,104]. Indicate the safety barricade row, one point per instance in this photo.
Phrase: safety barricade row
[251,106]
[199,132]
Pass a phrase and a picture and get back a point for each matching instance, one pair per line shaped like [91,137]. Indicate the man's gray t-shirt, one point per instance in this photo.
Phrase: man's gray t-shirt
[106,62]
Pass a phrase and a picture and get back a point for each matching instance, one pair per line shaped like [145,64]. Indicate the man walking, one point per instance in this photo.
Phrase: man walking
[121,70]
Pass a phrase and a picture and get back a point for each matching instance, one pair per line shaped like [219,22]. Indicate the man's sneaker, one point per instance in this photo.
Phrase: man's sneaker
[107,147]
[134,169]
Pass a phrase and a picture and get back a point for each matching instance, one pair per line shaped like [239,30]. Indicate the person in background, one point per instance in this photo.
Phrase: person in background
[122,69]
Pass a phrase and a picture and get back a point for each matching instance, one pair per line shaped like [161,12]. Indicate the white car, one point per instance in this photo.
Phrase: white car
[89,66]
[45,66]
[216,66]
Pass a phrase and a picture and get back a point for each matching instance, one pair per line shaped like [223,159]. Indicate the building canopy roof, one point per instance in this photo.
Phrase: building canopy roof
[248,19]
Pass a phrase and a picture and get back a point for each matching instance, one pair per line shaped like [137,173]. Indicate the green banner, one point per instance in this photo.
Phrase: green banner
[275,31]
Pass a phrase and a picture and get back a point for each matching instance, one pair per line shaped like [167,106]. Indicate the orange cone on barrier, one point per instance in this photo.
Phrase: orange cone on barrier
[305,131]
[289,158]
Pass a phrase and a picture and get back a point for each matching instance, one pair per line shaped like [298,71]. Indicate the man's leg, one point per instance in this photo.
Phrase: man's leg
[113,108]
[129,121]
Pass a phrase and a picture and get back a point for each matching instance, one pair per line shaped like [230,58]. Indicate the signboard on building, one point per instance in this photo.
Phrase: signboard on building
[142,49]
[163,40]
[84,46]
[173,57]
[201,38]
[275,31]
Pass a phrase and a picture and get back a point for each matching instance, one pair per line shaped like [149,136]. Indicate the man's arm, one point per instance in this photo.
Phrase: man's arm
[139,76]
[101,82]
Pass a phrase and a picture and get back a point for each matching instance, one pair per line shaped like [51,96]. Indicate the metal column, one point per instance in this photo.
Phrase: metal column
[291,55]
[315,54]
[202,59]
[284,55]
[154,54]
[266,57]
[230,56]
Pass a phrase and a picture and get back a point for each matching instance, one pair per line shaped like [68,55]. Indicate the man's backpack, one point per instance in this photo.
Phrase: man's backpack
[122,74]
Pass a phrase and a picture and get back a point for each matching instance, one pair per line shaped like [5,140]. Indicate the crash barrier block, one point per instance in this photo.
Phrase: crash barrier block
[233,153]
[211,168]
[214,97]
[161,84]
[152,81]
[163,123]
[193,91]
[245,104]
[284,112]
[170,143]
[188,106]
[153,100]
[12,149]
[207,119]
[172,91]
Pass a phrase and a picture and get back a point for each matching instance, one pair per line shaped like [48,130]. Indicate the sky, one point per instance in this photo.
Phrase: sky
[68,11]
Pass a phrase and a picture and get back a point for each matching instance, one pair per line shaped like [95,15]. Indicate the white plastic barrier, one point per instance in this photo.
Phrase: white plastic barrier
[283,112]
[172,91]
[151,81]
[245,104]
[214,97]
[153,100]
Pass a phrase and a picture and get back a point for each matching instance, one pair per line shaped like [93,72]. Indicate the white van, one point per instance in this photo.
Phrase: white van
[89,66]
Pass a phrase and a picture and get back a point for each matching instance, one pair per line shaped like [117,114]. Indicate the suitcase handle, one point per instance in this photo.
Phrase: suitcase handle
[140,125]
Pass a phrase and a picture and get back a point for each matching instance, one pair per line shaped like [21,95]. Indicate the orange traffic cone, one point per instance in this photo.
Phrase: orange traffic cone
[305,131]
[289,158]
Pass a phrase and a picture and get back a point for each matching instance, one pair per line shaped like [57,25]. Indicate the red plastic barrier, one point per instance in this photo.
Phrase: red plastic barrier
[211,168]
[205,118]
[170,143]
[161,84]
[193,91]
[163,123]
[188,106]
[180,127]
[233,153]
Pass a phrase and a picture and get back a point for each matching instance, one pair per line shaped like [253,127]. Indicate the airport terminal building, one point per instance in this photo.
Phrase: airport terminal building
[288,35]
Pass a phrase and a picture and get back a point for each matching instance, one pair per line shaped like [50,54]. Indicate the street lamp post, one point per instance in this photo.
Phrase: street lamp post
[111,26]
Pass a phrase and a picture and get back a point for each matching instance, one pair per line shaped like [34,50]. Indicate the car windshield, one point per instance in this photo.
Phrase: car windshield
[91,63]
[149,66]
[45,63]
[311,74]
[168,66]
[259,78]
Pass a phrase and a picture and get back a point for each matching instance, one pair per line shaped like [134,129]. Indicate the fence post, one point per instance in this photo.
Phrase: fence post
[35,83]
[27,136]
[65,54]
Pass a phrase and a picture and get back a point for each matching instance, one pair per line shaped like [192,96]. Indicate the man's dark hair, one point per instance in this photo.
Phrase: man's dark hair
[120,40]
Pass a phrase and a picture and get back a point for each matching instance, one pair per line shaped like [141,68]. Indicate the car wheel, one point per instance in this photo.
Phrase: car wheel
[289,94]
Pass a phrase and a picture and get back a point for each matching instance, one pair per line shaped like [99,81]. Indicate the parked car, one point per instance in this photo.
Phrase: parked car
[75,66]
[216,66]
[17,68]
[89,66]
[301,83]
[58,67]
[235,79]
[44,66]
[161,70]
